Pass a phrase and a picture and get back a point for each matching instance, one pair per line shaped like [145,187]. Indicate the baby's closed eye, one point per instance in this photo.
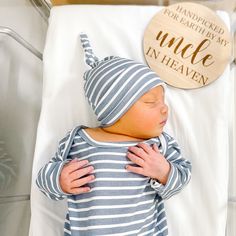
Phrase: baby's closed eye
[150,101]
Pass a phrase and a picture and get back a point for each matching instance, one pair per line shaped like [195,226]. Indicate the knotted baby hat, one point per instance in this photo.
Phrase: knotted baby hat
[114,84]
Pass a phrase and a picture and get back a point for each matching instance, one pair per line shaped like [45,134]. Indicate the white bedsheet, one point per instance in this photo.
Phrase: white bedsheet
[198,118]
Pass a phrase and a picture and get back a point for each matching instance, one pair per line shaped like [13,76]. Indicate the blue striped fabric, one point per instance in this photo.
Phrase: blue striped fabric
[114,84]
[120,202]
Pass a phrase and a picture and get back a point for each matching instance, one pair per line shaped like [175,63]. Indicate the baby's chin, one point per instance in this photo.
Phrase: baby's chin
[149,135]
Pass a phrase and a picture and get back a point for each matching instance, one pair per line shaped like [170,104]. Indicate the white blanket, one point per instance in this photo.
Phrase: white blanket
[198,118]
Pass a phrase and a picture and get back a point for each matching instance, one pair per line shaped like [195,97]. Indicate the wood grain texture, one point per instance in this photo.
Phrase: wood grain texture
[187,45]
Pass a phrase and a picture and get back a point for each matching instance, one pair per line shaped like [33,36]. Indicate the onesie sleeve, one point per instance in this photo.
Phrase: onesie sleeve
[180,173]
[48,176]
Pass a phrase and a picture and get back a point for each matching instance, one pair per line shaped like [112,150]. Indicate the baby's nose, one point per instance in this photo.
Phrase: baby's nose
[164,109]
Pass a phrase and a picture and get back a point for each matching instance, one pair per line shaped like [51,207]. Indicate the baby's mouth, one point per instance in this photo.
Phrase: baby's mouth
[163,122]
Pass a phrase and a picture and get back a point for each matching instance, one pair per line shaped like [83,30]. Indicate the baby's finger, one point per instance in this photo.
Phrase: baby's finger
[137,170]
[138,151]
[73,161]
[82,181]
[76,165]
[155,148]
[80,173]
[137,160]
[145,147]
[79,190]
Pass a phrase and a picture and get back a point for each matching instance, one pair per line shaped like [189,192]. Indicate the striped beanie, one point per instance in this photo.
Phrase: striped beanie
[114,84]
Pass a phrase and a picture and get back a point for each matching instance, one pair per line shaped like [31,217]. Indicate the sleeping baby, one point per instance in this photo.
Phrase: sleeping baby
[116,176]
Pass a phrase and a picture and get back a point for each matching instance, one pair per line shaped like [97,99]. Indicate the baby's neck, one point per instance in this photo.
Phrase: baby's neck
[108,135]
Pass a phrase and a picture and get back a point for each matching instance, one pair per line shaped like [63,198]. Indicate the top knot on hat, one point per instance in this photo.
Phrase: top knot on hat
[90,58]
[114,84]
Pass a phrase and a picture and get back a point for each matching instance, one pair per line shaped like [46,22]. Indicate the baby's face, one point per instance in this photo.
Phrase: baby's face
[148,116]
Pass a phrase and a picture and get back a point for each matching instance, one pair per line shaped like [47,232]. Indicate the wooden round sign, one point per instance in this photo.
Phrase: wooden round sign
[187,45]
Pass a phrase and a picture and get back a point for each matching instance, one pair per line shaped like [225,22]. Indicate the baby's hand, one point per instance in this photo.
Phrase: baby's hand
[71,180]
[150,161]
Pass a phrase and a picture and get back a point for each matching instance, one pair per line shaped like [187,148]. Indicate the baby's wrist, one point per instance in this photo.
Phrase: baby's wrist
[164,174]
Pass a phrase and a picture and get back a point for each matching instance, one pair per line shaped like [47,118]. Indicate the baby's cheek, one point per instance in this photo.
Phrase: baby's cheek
[148,123]
[151,124]
[145,120]
[152,117]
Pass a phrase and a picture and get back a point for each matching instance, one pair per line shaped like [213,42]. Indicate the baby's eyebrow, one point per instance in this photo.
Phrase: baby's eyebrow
[152,95]
[151,98]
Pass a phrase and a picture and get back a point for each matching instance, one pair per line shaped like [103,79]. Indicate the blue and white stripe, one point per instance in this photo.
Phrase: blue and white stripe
[120,202]
[114,84]
[91,59]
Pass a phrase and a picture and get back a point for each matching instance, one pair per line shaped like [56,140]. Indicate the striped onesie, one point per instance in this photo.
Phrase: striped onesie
[120,202]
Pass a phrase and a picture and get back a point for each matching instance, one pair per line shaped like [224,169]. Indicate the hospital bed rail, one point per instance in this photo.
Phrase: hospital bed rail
[42,7]
[9,32]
